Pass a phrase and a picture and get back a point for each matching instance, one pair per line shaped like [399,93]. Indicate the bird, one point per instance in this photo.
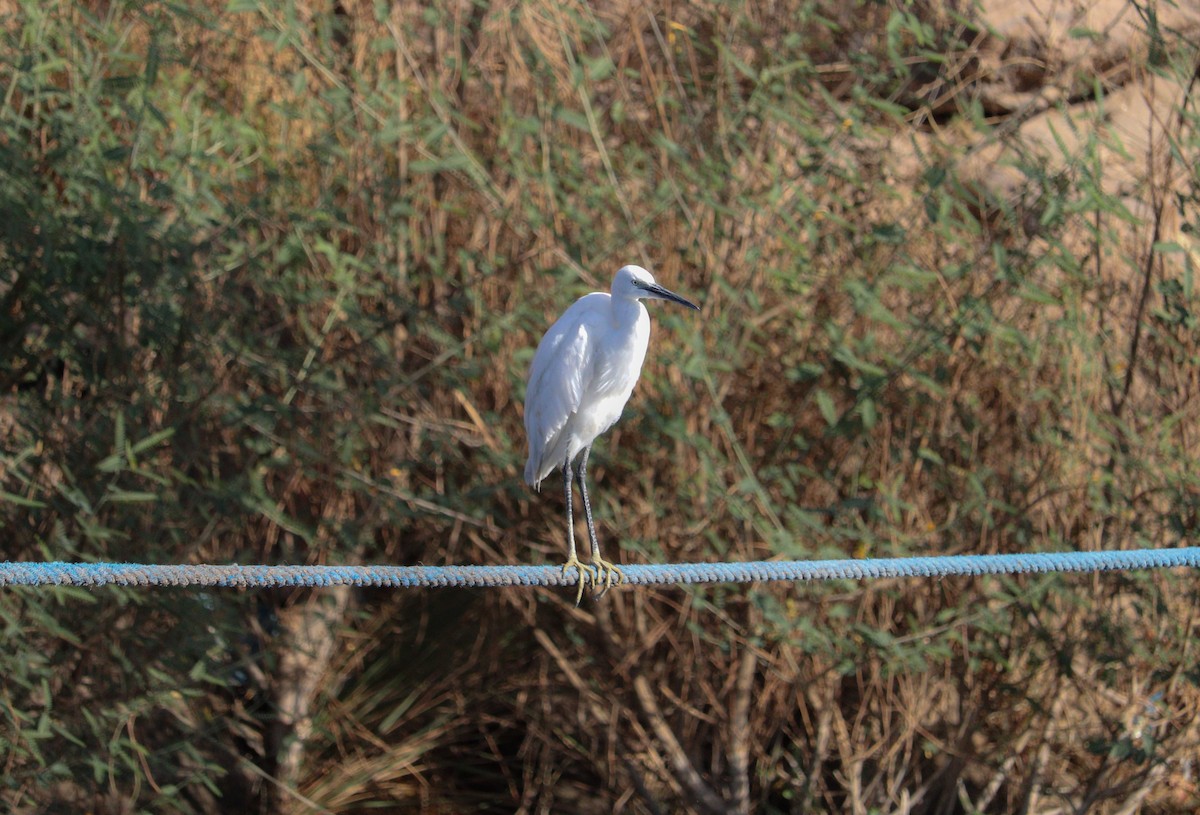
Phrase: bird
[583,373]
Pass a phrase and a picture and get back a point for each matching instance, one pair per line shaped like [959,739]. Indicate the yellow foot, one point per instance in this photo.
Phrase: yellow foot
[586,573]
[607,573]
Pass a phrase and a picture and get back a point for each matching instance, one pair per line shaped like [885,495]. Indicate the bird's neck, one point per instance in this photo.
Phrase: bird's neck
[627,311]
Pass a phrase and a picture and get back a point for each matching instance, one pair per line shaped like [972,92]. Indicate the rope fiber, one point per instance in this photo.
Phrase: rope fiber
[234,576]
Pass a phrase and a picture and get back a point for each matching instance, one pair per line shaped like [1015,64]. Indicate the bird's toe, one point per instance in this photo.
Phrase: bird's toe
[586,573]
[608,574]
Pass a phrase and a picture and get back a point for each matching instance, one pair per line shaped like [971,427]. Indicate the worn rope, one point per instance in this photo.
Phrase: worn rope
[141,574]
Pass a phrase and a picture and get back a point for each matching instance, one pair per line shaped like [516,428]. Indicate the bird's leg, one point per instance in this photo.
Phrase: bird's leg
[585,572]
[606,571]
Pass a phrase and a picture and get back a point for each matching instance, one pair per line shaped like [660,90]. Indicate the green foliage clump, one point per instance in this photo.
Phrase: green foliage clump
[270,280]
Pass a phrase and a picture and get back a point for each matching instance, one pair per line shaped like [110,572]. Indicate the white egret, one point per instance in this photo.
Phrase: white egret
[582,375]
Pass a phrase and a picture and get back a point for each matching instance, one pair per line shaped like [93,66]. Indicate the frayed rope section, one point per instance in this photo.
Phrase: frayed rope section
[139,574]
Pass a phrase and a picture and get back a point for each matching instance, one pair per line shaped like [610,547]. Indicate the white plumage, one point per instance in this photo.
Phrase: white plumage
[582,375]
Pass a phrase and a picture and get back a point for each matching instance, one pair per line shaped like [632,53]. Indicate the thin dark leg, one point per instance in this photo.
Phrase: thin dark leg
[587,503]
[570,518]
[606,572]
[586,573]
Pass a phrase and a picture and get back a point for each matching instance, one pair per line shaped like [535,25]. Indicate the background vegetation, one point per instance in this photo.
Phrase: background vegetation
[270,279]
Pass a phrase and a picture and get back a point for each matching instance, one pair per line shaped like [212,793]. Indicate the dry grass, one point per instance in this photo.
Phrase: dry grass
[377,215]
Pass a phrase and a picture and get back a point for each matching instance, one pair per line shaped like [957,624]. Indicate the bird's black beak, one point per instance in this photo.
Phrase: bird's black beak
[659,293]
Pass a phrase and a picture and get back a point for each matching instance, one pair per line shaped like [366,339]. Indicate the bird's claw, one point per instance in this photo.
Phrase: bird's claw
[607,573]
[586,573]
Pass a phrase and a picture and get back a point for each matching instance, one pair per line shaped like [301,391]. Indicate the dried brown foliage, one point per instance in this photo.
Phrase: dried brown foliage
[943,313]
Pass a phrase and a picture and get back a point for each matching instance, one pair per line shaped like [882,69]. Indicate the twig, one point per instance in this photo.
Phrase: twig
[739,733]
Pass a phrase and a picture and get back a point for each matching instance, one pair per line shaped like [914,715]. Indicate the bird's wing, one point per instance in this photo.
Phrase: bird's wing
[561,373]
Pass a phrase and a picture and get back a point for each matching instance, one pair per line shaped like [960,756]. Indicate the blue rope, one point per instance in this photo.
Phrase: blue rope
[139,574]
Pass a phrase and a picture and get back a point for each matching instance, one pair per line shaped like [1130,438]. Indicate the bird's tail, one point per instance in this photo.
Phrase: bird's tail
[531,474]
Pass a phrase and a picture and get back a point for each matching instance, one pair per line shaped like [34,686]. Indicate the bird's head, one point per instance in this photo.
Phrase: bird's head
[635,283]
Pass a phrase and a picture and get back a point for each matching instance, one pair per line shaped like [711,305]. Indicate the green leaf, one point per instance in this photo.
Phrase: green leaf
[20,500]
[868,413]
[926,454]
[450,163]
[116,495]
[152,440]
[828,411]
[573,118]
[111,464]
[1034,294]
